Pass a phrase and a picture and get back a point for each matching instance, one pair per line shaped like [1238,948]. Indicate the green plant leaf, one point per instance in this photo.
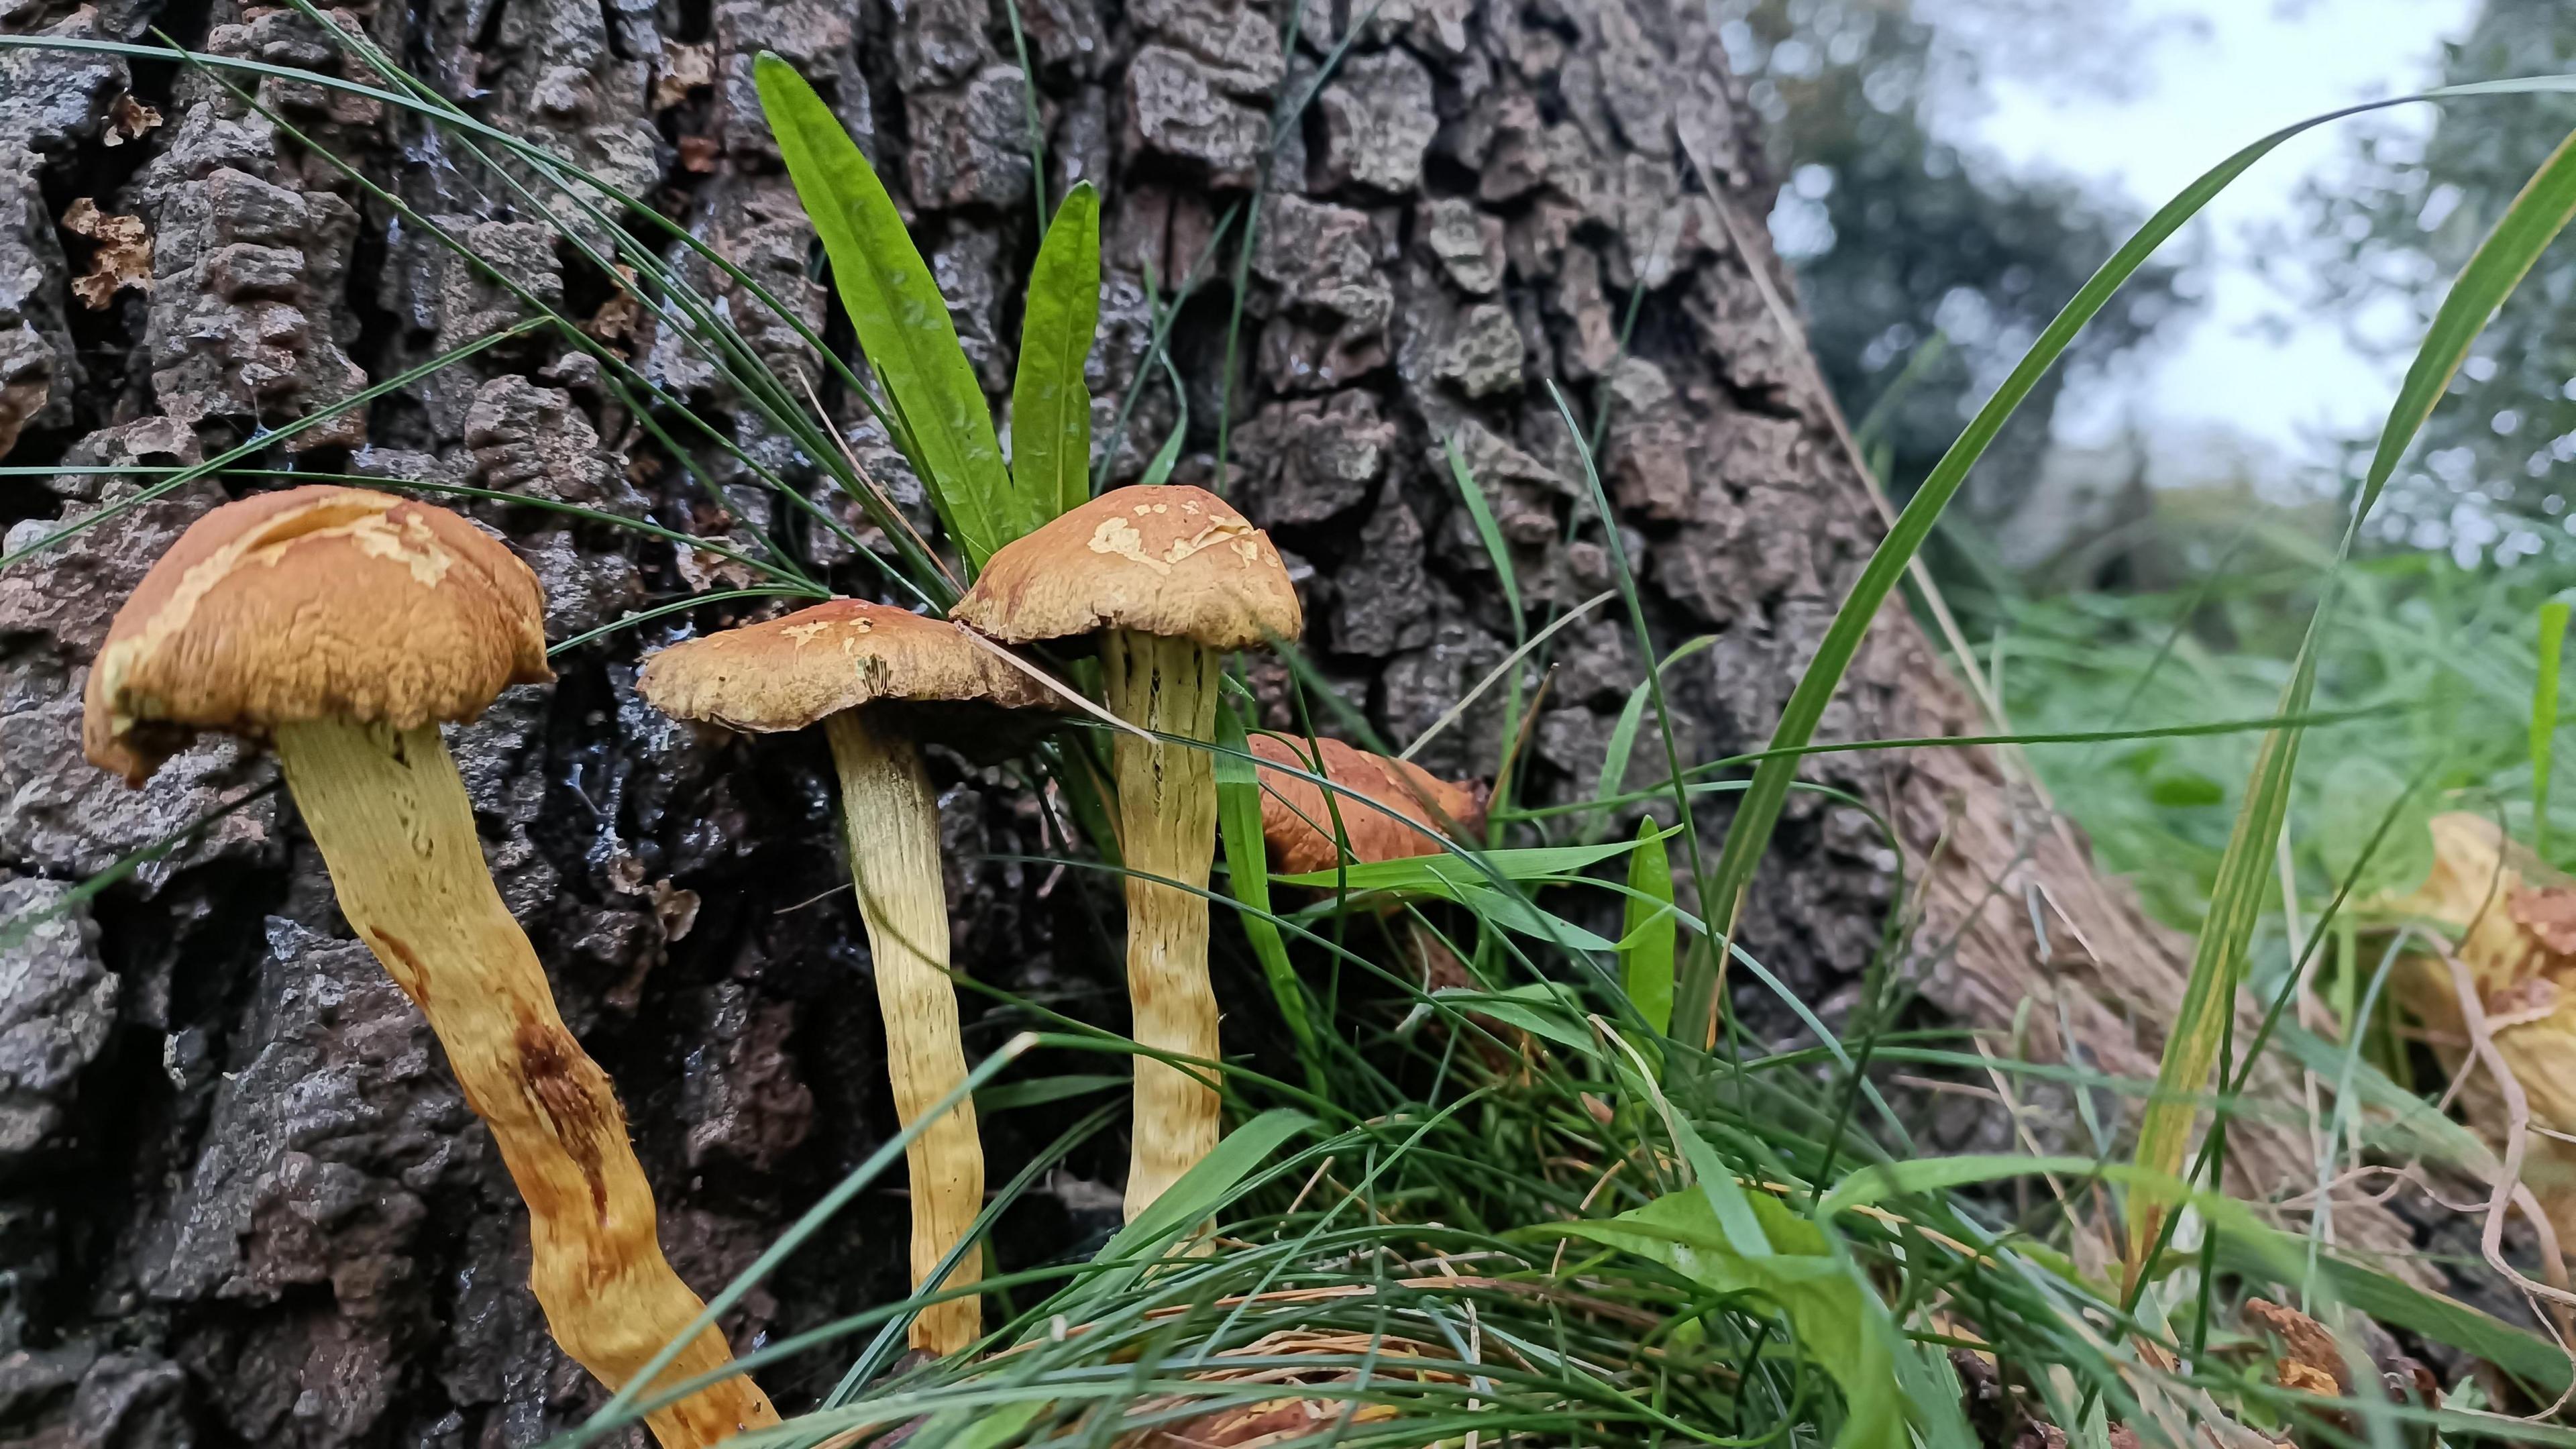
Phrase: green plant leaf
[1879,1181]
[1650,930]
[1185,1204]
[1247,874]
[1482,514]
[1471,880]
[1841,1325]
[1542,1008]
[1514,912]
[901,319]
[1436,872]
[2538,214]
[1158,470]
[1623,734]
[2359,792]
[1050,403]
[2185,790]
[1038,1091]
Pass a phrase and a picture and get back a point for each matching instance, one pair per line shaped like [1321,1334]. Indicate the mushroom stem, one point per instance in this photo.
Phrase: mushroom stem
[891,821]
[397,831]
[1167,829]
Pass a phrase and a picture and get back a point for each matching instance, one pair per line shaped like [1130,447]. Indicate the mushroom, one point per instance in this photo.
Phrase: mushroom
[345,626]
[1171,580]
[1401,809]
[871,675]
[1385,809]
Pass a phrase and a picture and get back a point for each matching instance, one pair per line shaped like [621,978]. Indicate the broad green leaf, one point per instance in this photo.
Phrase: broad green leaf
[1882,1180]
[1247,874]
[1482,514]
[2185,790]
[1541,1008]
[1469,880]
[984,1428]
[1513,912]
[1841,1325]
[1646,944]
[1730,1206]
[901,319]
[1050,403]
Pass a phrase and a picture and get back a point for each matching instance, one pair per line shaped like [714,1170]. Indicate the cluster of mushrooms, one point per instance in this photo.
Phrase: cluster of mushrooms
[344,626]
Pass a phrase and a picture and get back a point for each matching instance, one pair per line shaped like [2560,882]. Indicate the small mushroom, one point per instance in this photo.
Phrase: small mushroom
[1387,808]
[876,677]
[345,626]
[1171,580]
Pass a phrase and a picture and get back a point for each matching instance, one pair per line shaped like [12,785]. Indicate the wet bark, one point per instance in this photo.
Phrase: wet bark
[240,1199]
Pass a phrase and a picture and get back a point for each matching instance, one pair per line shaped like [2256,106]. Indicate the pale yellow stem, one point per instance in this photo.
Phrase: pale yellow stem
[397,831]
[891,821]
[1167,828]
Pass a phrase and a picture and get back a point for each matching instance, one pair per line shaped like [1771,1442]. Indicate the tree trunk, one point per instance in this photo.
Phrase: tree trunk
[240,1198]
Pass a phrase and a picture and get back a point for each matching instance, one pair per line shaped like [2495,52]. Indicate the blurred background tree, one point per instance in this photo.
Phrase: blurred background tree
[2491,475]
[1927,266]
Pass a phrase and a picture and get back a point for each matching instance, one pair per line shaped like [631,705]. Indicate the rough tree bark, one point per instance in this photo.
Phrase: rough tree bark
[240,1200]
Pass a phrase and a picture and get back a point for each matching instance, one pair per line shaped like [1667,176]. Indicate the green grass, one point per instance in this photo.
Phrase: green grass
[1566,1202]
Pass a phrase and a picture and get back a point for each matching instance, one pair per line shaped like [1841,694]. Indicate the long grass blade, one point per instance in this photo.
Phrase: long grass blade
[1481,514]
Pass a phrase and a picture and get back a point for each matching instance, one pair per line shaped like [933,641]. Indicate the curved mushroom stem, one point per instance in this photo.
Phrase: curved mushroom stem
[891,821]
[1167,828]
[395,826]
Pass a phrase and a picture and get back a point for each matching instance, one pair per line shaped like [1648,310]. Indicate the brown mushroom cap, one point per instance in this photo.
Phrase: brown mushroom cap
[788,673]
[1172,561]
[312,603]
[1297,822]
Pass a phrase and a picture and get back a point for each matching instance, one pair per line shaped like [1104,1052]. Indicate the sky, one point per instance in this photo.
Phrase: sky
[2222,73]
